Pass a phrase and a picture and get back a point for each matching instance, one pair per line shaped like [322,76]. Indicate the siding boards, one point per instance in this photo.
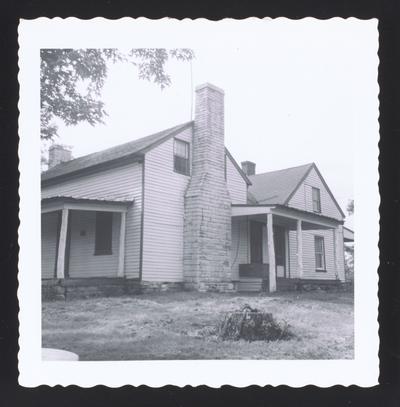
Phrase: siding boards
[237,186]
[309,256]
[302,199]
[49,243]
[82,261]
[124,182]
[163,214]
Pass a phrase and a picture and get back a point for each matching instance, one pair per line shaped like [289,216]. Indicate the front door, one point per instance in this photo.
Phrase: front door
[280,250]
[256,242]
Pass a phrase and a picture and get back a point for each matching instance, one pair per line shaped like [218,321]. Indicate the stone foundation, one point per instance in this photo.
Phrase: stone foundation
[152,286]
[216,287]
[59,289]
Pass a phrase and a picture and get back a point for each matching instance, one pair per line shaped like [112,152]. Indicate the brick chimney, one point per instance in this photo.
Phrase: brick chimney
[58,154]
[207,224]
[249,168]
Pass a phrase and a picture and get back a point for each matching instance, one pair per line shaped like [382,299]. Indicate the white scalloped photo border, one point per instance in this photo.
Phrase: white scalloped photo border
[170,33]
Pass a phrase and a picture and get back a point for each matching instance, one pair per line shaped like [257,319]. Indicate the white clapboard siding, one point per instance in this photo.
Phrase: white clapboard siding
[82,261]
[49,244]
[240,246]
[121,182]
[309,269]
[237,186]
[164,214]
[302,199]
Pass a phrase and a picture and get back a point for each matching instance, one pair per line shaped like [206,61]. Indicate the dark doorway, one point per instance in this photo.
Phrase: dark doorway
[256,240]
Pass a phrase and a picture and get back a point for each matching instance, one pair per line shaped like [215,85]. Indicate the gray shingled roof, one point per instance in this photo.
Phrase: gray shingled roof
[113,153]
[276,186]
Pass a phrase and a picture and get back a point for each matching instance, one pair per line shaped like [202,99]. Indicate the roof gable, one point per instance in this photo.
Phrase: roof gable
[120,152]
[276,187]
[324,184]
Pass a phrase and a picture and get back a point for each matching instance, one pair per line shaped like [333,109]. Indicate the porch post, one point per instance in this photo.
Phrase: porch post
[335,254]
[121,258]
[62,243]
[300,248]
[337,232]
[271,253]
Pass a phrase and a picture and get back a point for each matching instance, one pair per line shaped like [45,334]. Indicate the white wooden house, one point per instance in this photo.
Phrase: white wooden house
[175,209]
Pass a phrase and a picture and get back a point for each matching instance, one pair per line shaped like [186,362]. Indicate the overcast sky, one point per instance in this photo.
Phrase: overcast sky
[291,97]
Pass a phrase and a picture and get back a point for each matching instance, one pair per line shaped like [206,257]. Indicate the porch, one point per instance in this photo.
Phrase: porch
[83,238]
[277,247]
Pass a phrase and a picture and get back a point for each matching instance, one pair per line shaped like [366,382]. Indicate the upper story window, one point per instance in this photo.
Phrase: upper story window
[181,157]
[316,200]
[319,246]
[103,236]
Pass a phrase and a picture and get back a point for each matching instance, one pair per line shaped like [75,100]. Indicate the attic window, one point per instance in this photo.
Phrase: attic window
[103,237]
[181,157]
[316,200]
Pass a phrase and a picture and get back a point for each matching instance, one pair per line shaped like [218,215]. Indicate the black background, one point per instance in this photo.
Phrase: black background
[388,392]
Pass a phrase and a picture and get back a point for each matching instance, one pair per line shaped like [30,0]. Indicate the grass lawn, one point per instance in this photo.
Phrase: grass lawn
[182,326]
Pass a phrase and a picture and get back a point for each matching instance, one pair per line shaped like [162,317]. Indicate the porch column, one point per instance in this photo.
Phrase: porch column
[299,248]
[336,244]
[62,243]
[271,253]
[121,258]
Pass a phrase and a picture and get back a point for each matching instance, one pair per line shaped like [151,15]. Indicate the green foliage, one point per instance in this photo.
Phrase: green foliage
[71,81]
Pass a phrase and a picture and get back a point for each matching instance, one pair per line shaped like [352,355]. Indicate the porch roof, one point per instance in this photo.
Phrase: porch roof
[98,203]
[348,235]
[310,218]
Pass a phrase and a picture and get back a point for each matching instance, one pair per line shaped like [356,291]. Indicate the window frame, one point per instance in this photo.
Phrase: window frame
[187,146]
[322,253]
[317,201]
[100,230]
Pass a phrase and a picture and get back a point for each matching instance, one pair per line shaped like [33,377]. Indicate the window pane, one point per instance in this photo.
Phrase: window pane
[319,252]
[181,157]
[181,149]
[316,198]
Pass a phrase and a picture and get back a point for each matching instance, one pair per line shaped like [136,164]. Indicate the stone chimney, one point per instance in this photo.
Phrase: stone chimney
[249,168]
[207,224]
[58,154]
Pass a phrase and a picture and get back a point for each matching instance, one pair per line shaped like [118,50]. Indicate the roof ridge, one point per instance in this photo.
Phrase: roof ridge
[282,169]
[123,144]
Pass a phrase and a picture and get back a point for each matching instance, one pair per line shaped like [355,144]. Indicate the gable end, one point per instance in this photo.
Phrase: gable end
[313,166]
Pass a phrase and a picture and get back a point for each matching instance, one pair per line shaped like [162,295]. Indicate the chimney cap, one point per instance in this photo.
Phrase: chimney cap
[210,86]
[249,168]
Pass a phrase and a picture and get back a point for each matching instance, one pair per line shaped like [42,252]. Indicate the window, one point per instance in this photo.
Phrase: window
[181,157]
[103,237]
[316,200]
[319,253]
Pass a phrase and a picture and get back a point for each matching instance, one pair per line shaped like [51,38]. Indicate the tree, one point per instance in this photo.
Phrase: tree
[71,81]
[350,207]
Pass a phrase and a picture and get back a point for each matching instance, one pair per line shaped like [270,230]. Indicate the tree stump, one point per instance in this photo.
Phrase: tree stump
[251,324]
